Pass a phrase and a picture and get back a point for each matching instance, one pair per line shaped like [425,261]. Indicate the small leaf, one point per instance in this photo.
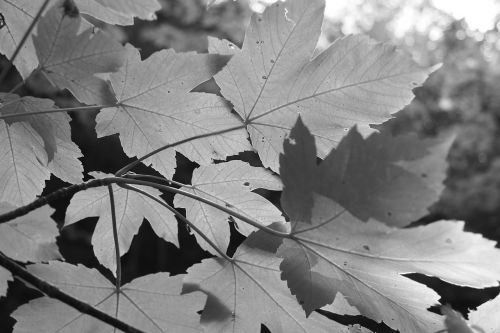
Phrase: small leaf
[454,321]
[483,320]
[5,277]
[23,161]
[131,209]
[230,184]
[151,303]
[119,12]
[53,128]
[70,57]
[274,79]
[156,108]
[18,16]
[233,288]
[31,237]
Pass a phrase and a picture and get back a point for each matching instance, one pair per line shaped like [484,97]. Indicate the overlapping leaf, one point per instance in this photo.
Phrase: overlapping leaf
[229,184]
[23,163]
[53,128]
[119,12]
[485,319]
[18,15]
[156,108]
[248,291]
[391,179]
[31,237]
[70,57]
[335,252]
[5,277]
[151,303]
[272,80]
[131,209]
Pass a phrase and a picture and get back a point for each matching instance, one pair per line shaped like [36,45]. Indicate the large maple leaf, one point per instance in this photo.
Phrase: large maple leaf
[248,291]
[151,303]
[131,209]
[70,58]
[155,108]
[335,252]
[53,128]
[229,184]
[273,79]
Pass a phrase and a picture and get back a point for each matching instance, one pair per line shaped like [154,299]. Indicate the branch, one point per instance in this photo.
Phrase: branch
[67,299]
[61,193]
[19,46]
[129,166]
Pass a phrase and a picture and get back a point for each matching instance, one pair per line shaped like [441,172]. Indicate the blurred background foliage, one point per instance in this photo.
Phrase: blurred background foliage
[462,96]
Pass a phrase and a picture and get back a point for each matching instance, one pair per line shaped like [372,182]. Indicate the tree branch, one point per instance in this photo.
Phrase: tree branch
[69,300]
[56,195]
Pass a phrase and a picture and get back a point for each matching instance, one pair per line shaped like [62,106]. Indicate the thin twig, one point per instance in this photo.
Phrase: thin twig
[129,166]
[54,292]
[19,46]
[56,195]
[115,240]
[155,178]
[181,217]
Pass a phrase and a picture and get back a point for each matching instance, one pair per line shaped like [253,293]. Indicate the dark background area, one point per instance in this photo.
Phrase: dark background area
[462,96]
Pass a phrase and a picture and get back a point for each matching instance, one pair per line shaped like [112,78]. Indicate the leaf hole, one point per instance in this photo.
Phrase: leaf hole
[246,184]
[366,247]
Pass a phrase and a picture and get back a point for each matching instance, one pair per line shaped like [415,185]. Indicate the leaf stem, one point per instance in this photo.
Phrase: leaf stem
[120,180]
[54,292]
[34,113]
[156,178]
[115,240]
[181,217]
[19,46]
[129,166]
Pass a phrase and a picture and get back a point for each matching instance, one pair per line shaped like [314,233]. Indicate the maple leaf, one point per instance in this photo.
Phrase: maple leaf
[272,80]
[156,108]
[31,237]
[70,58]
[23,161]
[391,179]
[335,252]
[233,288]
[53,128]
[484,320]
[119,12]
[5,277]
[151,303]
[230,184]
[18,15]
[131,209]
